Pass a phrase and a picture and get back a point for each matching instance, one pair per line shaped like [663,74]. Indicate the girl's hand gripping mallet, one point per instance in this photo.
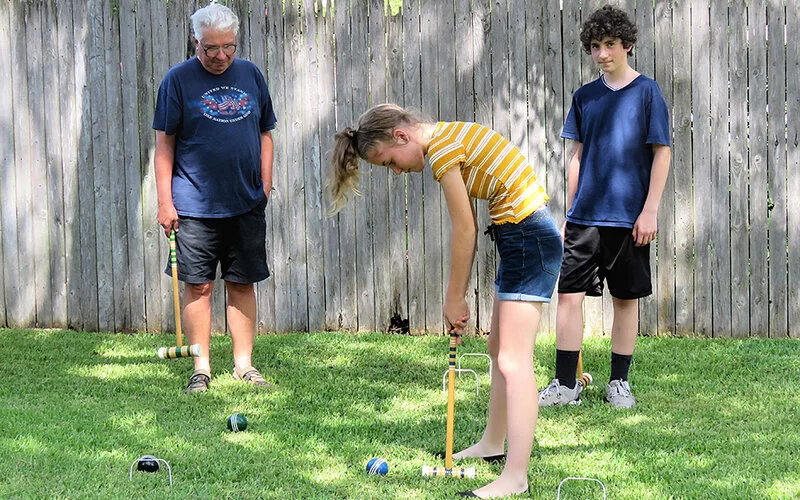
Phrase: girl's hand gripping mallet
[448,470]
[179,350]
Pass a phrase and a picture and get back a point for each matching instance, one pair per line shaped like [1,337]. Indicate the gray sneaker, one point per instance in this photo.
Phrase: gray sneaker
[556,394]
[618,393]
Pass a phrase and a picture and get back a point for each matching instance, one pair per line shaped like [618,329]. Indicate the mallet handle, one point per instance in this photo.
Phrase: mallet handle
[173,262]
[451,400]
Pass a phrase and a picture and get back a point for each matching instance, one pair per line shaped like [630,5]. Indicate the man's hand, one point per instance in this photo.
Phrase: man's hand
[167,218]
[645,228]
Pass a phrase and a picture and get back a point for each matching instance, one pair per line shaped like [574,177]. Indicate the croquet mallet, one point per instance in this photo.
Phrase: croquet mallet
[585,378]
[179,350]
[448,470]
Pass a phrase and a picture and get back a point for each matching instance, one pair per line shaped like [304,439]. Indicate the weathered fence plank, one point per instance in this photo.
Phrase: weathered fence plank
[131,163]
[313,171]
[793,165]
[776,170]
[326,104]
[701,157]
[431,201]
[680,103]
[8,223]
[720,175]
[412,98]
[398,288]
[121,267]
[656,61]
[22,307]
[37,183]
[56,277]
[758,210]
[296,70]
[381,238]
[740,282]
[277,53]
[265,290]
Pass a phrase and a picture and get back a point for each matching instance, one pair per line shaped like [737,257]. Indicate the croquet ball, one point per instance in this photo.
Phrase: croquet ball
[147,463]
[377,466]
[237,422]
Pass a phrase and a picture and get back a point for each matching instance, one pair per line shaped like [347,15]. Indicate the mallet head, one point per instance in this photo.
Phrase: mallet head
[184,351]
[460,472]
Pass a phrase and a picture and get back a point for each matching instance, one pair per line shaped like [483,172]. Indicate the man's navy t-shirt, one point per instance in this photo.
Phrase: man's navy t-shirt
[217,121]
[617,129]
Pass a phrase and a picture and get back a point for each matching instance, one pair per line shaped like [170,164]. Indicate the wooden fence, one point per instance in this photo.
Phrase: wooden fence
[81,248]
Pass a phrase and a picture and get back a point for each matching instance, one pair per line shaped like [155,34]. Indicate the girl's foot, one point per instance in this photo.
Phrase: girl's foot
[497,489]
[478,450]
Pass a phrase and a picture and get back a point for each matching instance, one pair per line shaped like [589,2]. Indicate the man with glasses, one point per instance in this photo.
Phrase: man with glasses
[213,166]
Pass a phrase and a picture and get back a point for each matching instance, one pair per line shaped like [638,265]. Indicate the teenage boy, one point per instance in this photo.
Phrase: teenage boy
[620,160]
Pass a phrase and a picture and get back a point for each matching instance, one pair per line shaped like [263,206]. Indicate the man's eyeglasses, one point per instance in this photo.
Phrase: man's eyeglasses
[213,51]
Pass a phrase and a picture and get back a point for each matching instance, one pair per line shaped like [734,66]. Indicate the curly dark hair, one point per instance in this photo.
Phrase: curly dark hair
[608,21]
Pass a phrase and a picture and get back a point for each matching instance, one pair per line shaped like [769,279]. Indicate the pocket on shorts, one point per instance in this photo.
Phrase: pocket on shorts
[550,253]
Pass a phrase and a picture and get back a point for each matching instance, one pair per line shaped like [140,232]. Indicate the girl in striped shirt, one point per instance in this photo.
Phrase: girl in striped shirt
[472,161]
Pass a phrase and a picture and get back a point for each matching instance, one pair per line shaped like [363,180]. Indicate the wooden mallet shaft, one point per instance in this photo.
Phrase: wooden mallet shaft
[179,351]
[448,470]
[584,378]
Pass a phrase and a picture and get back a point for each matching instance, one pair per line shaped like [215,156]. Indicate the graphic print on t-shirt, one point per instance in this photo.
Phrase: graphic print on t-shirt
[226,104]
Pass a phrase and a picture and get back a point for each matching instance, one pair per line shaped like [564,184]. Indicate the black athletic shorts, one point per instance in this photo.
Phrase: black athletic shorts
[596,253]
[237,244]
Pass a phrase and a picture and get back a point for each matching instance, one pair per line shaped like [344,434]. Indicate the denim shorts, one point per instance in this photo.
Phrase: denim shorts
[530,257]
[237,245]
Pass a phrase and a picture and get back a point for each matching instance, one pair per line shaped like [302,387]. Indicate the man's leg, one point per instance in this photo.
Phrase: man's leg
[196,320]
[242,322]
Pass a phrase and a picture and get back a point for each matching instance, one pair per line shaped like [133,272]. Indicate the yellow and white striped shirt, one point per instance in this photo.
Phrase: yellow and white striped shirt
[492,169]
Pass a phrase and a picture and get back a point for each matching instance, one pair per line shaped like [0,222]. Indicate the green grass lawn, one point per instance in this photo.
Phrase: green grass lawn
[716,419]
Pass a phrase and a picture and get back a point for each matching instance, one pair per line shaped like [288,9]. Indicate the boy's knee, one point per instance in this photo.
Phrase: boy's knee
[570,300]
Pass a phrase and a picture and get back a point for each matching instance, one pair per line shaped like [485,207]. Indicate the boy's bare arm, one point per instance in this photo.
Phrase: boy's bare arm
[646,226]
[573,171]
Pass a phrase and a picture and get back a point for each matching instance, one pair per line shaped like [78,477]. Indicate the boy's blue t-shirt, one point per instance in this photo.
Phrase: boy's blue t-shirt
[617,129]
[217,121]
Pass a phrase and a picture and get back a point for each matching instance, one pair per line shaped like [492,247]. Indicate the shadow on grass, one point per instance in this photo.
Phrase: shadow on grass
[79,408]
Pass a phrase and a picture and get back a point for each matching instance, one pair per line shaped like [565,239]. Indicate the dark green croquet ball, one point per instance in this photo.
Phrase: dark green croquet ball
[237,422]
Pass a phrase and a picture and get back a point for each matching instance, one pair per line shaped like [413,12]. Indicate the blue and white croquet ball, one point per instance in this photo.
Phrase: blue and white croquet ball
[377,466]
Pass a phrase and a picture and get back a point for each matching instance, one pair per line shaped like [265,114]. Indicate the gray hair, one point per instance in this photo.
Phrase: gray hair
[216,17]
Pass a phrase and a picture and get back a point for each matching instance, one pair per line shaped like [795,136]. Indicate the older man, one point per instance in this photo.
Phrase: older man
[213,165]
